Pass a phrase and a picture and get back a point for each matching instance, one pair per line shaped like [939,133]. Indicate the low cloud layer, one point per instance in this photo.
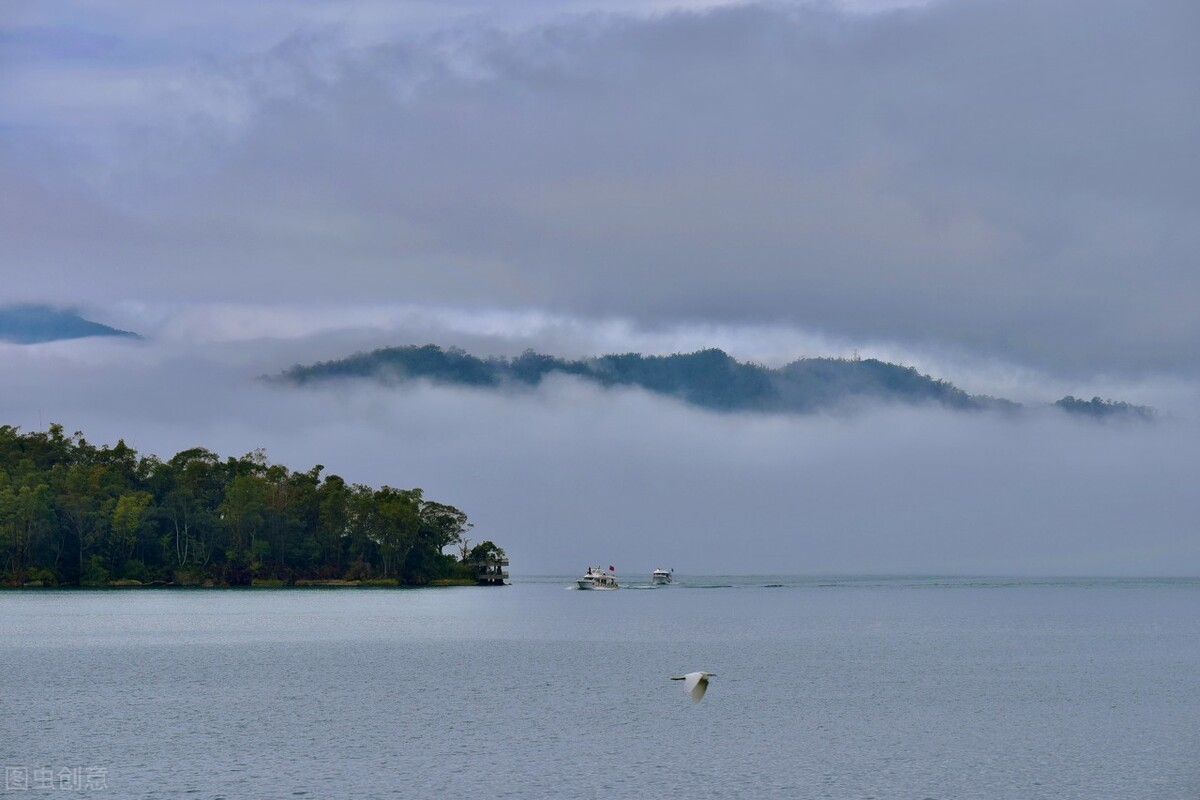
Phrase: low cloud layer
[1001,194]
[1014,179]
[570,475]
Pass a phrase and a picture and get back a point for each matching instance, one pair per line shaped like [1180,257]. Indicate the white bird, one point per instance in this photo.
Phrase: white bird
[696,683]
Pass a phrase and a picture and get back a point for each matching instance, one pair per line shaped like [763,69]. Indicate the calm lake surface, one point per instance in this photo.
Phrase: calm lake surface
[825,688]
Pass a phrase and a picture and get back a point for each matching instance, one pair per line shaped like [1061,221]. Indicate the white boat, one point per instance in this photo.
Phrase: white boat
[597,578]
[661,577]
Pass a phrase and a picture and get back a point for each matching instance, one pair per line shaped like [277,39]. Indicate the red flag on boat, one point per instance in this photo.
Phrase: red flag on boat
[611,568]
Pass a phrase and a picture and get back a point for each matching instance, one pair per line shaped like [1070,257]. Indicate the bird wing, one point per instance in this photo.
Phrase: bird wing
[697,684]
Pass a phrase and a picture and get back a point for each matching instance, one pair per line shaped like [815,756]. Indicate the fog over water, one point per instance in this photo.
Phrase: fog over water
[1002,195]
[569,474]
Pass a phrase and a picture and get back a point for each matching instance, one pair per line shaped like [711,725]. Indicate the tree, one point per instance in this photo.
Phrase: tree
[116,514]
[128,516]
[487,551]
[443,525]
[242,513]
[26,522]
[397,521]
[79,501]
[187,491]
[278,496]
[333,522]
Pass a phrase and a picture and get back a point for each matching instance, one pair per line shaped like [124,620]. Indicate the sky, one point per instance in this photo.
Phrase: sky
[1001,193]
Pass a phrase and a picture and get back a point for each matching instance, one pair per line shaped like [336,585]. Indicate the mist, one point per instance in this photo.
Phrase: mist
[1002,195]
[568,474]
[1012,180]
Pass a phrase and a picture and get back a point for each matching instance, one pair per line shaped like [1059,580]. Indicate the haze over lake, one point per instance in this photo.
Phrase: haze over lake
[988,193]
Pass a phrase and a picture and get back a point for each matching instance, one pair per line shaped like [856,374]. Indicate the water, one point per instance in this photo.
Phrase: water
[825,688]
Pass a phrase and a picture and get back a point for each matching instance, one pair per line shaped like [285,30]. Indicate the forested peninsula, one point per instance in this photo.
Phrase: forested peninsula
[710,379]
[74,514]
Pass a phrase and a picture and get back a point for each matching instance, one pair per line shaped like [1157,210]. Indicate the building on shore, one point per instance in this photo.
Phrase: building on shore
[491,570]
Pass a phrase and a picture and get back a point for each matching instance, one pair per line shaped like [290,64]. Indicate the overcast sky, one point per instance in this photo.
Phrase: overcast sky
[1003,193]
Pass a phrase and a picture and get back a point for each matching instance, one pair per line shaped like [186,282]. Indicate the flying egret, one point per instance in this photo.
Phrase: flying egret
[696,683]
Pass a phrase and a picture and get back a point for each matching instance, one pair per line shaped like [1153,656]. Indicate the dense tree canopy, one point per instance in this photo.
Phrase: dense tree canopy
[708,379]
[1103,408]
[72,513]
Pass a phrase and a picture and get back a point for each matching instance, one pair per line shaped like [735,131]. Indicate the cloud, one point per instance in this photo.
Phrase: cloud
[1000,194]
[1011,179]
[277,336]
[569,474]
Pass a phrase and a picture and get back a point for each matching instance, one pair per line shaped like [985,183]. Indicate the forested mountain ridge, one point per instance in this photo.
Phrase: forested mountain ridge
[76,514]
[709,379]
[32,324]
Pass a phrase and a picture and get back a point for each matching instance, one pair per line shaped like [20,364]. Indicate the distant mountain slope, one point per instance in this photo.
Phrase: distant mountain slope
[31,324]
[1103,408]
[708,378]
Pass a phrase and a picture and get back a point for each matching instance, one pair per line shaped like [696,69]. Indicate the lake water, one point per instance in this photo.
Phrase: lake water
[825,688]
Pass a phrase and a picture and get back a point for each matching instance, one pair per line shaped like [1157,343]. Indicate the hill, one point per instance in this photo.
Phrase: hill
[72,513]
[33,324]
[709,379]
[1101,409]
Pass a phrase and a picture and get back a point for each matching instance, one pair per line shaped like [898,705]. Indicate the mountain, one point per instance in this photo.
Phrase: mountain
[31,324]
[1101,409]
[708,379]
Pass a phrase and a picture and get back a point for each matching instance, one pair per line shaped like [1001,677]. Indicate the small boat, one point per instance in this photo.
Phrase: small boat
[597,578]
[661,577]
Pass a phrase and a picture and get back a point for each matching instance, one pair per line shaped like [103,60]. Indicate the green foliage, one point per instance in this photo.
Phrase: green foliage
[1098,408]
[450,366]
[75,514]
[135,570]
[41,577]
[486,551]
[95,574]
[708,379]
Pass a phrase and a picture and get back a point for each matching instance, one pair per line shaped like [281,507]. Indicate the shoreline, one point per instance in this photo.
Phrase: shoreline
[378,583]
